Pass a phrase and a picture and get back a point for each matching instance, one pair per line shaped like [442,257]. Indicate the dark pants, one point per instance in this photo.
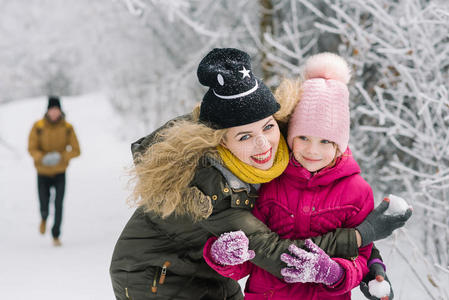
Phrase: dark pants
[44,183]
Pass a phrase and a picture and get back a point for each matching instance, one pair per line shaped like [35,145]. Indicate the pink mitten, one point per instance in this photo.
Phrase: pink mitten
[231,248]
[313,266]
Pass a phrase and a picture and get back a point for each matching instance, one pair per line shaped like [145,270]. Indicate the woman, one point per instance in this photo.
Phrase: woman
[186,194]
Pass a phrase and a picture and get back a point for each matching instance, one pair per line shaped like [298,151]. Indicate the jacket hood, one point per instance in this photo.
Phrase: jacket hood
[344,167]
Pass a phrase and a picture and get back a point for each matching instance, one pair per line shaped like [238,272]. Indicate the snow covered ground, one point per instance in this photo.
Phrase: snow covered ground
[95,209]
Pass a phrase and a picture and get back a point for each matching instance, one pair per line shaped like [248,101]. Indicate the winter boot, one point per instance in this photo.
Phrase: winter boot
[42,227]
[57,242]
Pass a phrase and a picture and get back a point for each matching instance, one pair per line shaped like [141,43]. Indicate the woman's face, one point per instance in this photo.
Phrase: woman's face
[254,144]
[313,153]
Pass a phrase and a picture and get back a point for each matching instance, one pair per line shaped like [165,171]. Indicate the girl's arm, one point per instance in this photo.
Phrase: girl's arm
[376,268]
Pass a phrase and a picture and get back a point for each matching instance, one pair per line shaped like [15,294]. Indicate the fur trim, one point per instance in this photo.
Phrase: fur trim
[328,66]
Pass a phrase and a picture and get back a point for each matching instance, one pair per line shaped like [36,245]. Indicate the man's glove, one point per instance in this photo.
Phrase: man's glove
[376,272]
[377,225]
[51,159]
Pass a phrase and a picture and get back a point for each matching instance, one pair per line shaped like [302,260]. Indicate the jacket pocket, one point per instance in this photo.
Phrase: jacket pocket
[147,283]
[279,218]
[138,284]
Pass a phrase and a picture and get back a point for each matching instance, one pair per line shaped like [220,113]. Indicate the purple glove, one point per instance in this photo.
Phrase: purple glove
[313,266]
[231,248]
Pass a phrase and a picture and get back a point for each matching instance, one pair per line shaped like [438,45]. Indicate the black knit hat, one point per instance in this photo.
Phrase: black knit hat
[53,101]
[235,97]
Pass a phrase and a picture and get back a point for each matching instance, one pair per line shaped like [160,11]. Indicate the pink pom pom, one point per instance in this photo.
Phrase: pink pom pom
[328,66]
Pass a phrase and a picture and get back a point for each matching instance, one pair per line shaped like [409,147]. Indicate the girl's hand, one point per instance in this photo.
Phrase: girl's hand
[313,266]
[376,272]
[231,248]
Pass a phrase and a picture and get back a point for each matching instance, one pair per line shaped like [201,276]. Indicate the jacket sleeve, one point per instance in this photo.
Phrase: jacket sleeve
[236,272]
[267,245]
[356,268]
[33,145]
[375,254]
[74,145]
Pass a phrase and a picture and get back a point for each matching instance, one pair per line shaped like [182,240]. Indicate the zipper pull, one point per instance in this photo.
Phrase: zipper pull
[164,272]
[154,286]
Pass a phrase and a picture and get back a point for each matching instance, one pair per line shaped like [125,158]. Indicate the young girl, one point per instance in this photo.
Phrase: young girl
[320,190]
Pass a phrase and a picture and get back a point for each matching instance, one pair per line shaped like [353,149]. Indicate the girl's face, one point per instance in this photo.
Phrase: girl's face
[313,153]
[254,144]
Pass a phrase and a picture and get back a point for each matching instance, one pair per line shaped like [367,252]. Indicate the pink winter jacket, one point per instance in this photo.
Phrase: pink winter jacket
[297,205]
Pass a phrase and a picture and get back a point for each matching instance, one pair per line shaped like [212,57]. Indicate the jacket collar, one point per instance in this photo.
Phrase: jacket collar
[234,182]
[345,166]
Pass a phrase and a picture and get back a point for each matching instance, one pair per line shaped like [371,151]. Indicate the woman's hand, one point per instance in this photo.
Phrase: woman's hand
[231,248]
[377,225]
[314,266]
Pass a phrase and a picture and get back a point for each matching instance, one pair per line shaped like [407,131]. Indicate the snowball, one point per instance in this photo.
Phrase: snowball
[379,289]
[397,206]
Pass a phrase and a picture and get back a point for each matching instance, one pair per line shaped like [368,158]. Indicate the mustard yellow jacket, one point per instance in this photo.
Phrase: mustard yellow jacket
[46,137]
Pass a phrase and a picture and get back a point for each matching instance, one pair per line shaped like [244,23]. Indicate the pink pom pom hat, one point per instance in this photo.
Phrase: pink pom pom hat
[323,110]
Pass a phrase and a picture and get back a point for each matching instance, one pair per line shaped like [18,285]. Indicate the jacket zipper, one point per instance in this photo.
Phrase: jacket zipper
[164,272]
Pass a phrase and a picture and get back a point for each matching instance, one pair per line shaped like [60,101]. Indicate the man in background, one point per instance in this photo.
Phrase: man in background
[52,143]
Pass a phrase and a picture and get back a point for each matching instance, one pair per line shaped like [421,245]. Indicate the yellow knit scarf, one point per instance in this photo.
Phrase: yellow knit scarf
[250,174]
